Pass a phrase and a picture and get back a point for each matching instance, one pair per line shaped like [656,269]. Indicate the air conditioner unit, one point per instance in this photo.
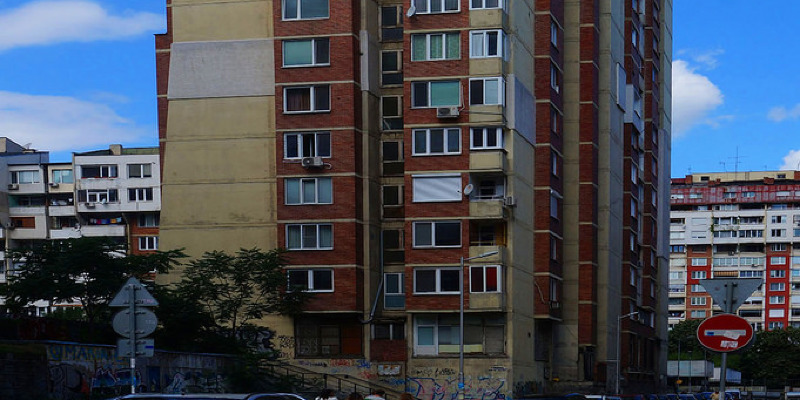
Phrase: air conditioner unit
[53,184]
[13,186]
[509,201]
[447,112]
[312,162]
[89,205]
[9,226]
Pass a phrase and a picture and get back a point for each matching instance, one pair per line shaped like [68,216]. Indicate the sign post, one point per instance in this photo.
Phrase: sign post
[134,322]
[729,294]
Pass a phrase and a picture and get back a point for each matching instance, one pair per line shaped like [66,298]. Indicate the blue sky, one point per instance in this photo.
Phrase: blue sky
[78,75]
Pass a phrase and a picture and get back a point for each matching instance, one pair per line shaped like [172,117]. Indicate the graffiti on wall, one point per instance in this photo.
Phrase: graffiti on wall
[431,383]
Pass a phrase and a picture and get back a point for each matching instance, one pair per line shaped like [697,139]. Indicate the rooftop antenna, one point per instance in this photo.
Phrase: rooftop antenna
[737,160]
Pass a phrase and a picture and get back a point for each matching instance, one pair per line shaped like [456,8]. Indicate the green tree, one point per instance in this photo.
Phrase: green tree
[237,290]
[90,270]
[683,338]
[773,357]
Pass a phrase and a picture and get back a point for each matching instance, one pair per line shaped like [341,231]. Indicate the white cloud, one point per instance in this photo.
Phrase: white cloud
[708,59]
[57,123]
[694,97]
[52,21]
[791,161]
[778,114]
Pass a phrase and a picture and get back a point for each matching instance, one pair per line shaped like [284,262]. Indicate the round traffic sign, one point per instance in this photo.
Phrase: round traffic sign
[724,333]
[145,320]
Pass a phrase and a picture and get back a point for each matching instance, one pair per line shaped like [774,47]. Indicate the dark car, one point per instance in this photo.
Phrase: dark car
[212,396]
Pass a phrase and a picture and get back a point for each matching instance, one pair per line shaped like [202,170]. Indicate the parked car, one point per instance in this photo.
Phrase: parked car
[211,396]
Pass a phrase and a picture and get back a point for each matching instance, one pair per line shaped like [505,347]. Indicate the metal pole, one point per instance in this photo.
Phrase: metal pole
[619,334]
[723,369]
[461,331]
[132,336]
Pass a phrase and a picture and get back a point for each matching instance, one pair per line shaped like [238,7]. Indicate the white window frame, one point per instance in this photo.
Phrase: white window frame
[480,40]
[102,196]
[298,7]
[418,225]
[25,177]
[312,99]
[58,176]
[777,299]
[401,291]
[699,274]
[314,43]
[483,270]
[777,273]
[148,243]
[446,132]
[310,279]
[485,133]
[777,260]
[436,188]
[438,280]
[300,138]
[699,262]
[148,221]
[415,86]
[777,287]
[138,195]
[445,50]
[482,5]
[319,184]
[106,171]
[424,6]
[140,171]
[307,246]
[698,301]
[501,85]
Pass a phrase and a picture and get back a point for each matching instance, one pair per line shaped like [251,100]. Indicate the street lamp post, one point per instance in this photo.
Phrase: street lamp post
[461,321]
[619,333]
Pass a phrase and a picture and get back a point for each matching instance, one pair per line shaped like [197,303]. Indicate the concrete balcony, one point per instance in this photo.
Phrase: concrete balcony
[61,211]
[486,301]
[493,160]
[27,233]
[25,211]
[66,233]
[103,230]
[491,209]
[499,258]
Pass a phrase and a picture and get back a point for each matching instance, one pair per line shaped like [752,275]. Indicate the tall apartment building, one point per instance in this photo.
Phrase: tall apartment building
[736,225]
[384,142]
[111,193]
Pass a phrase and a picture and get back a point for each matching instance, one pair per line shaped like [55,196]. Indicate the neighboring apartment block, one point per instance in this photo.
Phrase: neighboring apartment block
[382,143]
[736,225]
[112,193]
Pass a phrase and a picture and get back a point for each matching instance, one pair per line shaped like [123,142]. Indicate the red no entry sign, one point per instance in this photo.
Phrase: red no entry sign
[724,333]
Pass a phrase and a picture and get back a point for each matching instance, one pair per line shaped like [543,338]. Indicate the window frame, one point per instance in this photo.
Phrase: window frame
[148,220]
[310,279]
[415,87]
[483,6]
[298,7]
[485,132]
[301,145]
[482,270]
[105,171]
[484,36]
[446,132]
[501,89]
[440,181]
[427,9]
[433,245]
[446,40]
[35,176]
[312,90]
[144,171]
[303,247]
[57,176]
[317,41]
[438,280]
[140,195]
[318,188]
[400,293]
[148,243]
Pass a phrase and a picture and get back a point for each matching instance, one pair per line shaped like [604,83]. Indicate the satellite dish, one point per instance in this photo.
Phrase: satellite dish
[411,10]
[468,189]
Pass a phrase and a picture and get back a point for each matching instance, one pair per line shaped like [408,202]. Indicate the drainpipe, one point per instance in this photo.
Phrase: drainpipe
[380,285]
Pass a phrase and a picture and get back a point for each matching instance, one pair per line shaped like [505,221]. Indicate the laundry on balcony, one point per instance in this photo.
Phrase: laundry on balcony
[105,221]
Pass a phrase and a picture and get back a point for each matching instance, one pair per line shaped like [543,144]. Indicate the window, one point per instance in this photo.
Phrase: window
[677,235]
[140,194]
[698,289]
[777,232]
[676,275]
[698,314]
[439,334]
[699,262]
[729,195]
[305,9]
[436,188]
[778,246]
[698,301]
[309,191]
[299,145]
[699,275]
[148,220]
[392,195]
[620,91]
[391,24]
[438,141]
[485,279]
[486,138]
[309,237]
[777,299]
[391,151]
[392,112]
[435,94]
[749,194]
[304,99]
[779,286]
[479,4]
[554,163]
[306,52]
[98,196]
[139,171]
[751,233]
[486,91]
[311,280]
[99,171]
[391,67]
[777,260]
[148,242]
[778,219]
[677,248]
[555,78]
[486,43]
[62,176]
[436,280]
[489,187]
[554,197]
[394,291]
[751,274]
[435,46]
[773,325]
[436,6]
[388,331]
[333,336]
[554,33]
[437,234]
